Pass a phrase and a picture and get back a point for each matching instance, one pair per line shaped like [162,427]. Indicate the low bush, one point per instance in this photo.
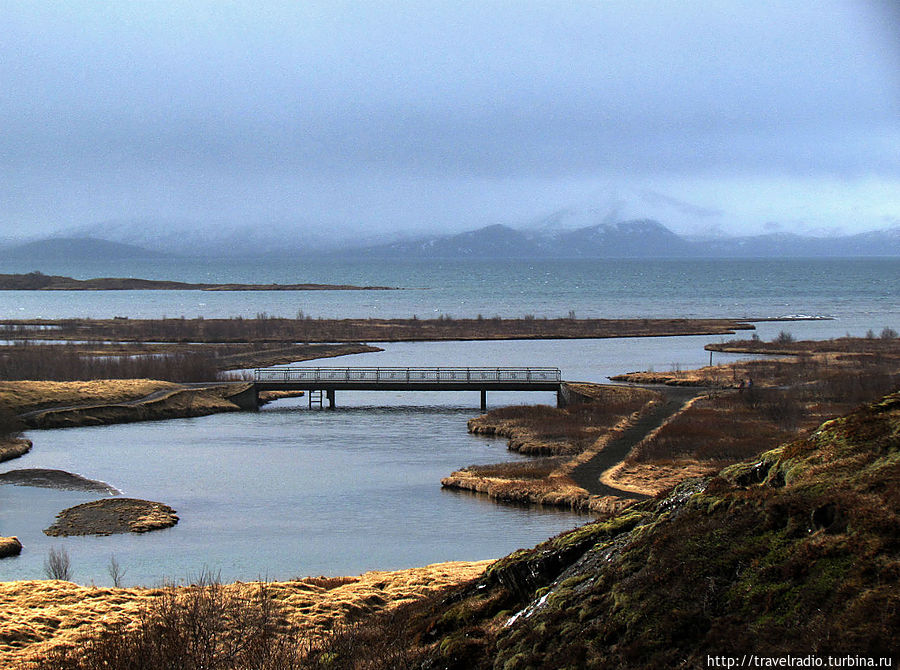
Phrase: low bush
[68,362]
[58,565]
[203,626]
[209,626]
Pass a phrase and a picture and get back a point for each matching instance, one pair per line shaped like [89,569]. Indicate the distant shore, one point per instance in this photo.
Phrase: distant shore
[37,281]
[309,330]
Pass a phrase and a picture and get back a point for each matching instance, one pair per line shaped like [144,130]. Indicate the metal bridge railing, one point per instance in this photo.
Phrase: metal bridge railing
[408,375]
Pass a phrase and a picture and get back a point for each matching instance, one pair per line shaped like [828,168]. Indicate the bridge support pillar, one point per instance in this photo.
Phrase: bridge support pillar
[483,400]
[330,394]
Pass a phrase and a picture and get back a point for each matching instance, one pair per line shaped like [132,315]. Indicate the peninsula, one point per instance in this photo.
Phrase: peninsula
[37,281]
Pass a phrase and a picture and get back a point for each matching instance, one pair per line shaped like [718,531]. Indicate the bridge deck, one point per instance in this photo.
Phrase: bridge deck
[407,379]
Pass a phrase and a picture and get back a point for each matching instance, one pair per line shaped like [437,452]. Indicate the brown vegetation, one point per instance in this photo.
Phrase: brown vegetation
[825,362]
[10,546]
[172,362]
[788,397]
[173,404]
[11,444]
[564,436]
[52,624]
[550,431]
[13,447]
[785,345]
[271,329]
[113,515]
[28,396]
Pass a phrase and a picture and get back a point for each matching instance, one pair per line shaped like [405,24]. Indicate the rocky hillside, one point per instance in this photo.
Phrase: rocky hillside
[795,553]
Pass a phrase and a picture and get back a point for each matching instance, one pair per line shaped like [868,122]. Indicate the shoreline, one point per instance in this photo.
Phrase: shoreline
[175,402]
[14,448]
[564,482]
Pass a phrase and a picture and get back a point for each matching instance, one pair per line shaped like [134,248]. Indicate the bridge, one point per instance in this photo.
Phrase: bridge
[317,381]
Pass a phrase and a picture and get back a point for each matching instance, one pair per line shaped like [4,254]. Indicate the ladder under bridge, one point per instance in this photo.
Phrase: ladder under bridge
[317,381]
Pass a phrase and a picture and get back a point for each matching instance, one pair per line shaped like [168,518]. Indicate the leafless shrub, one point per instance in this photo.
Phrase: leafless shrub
[206,625]
[57,565]
[266,328]
[784,337]
[116,571]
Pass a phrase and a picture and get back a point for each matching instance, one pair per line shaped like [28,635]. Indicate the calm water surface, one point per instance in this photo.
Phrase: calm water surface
[860,293]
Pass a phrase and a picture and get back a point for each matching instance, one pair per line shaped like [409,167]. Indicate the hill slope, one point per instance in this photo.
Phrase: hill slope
[76,249]
[639,238]
[797,553]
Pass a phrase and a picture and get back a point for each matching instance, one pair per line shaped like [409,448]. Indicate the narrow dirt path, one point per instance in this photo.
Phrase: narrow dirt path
[587,475]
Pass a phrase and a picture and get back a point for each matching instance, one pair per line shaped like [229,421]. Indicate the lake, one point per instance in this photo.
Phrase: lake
[290,491]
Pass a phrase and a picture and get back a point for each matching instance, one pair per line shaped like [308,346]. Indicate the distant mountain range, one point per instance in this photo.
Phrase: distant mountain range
[629,239]
[643,238]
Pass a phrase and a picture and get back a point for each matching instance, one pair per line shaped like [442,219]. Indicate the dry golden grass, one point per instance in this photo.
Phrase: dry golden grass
[653,478]
[271,396]
[40,615]
[173,401]
[798,368]
[26,396]
[13,447]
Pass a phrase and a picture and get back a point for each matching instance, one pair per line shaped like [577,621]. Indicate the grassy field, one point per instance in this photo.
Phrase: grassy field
[42,618]
[27,396]
[789,396]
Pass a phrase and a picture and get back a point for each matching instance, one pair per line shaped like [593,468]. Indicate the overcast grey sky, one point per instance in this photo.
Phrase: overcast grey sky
[737,116]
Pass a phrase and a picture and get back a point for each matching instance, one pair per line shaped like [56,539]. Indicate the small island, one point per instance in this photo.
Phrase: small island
[113,515]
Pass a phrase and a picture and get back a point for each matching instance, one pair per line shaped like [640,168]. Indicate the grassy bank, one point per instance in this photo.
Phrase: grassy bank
[28,396]
[169,402]
[42,619]
[13,447]
[789,397]
[564,437]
